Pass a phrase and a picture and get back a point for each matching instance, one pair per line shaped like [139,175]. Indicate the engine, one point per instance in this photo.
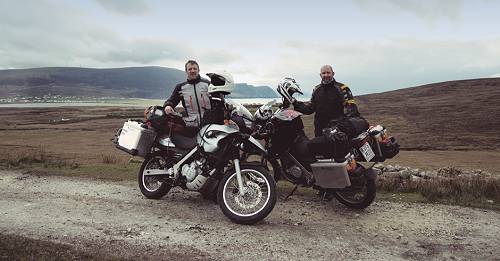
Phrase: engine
[193,169]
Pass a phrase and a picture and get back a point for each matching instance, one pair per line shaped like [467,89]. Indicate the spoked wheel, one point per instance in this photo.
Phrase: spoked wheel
[154,187]
[359,195]
[258,199]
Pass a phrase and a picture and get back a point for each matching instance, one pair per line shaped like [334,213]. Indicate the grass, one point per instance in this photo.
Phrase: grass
[110,159]
[111,167]
[33,157]
[14,247]
[451,186]
[113,172]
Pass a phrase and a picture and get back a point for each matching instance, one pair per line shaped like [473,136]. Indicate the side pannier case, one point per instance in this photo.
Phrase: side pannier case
[135,138]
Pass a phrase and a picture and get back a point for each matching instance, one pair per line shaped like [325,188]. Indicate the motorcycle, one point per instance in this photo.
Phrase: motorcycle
[349,175]
[205,160]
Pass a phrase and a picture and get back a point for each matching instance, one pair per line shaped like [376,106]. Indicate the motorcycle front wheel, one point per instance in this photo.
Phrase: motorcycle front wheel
[258,199]
[154,187]
[359,195]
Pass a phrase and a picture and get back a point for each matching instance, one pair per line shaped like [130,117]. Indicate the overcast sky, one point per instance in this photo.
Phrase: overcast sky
[374,46]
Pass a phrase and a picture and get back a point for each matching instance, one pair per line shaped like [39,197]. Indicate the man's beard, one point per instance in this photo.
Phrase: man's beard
[327,81]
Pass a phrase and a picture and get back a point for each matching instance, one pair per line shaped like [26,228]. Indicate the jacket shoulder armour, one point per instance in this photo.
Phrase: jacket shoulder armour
[346,94]
[205,80]
[180,84]
[341,86]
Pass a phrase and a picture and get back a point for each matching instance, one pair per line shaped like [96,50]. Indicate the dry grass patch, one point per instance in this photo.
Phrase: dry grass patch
[38,156]
[450,184]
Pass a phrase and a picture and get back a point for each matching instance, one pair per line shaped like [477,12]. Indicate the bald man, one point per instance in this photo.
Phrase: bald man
[331,100]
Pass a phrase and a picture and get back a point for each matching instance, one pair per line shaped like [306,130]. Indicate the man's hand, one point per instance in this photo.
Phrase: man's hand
[169,109]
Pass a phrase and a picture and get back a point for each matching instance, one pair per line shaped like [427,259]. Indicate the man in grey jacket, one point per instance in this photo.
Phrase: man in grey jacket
[193,93]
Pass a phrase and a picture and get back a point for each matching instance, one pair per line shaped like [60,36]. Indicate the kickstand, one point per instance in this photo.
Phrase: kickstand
[291,193]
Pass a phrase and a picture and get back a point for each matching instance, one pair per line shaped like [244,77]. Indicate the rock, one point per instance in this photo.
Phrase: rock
[379,166]
[399,236]
[389,168]
[391,174]
[133,160]
[414,178]
[377,171]
[405,174]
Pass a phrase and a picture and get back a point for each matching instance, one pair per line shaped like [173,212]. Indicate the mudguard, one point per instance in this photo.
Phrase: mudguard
[371,174]
[252,146]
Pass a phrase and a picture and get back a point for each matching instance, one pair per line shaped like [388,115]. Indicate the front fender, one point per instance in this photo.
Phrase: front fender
[253,146]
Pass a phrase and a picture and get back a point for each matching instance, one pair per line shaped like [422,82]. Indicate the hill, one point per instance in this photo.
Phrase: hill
[131,82]
[453,115]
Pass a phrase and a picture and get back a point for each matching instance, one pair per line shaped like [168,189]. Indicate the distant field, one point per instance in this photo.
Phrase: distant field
[81,135]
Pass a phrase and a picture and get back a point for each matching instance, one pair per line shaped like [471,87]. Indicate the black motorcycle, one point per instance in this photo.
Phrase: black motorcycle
[333,168]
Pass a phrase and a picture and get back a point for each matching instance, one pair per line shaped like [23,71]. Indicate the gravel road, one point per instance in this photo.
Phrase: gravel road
[114,219]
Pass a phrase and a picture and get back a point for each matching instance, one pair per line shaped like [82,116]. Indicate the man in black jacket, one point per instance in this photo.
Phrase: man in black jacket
[331,100]
[193,94]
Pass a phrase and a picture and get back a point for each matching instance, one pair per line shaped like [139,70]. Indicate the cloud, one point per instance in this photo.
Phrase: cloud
[55,33]
[125,7]
[218,57]
[379,66]
[45,33]
[145,51]
[426,10]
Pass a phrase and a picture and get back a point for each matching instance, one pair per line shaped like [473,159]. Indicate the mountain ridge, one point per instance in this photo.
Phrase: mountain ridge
[127,82]
[457,114]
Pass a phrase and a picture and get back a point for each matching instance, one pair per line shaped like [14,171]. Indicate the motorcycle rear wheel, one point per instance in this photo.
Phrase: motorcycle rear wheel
[359,195]
[257,202]
[154,187]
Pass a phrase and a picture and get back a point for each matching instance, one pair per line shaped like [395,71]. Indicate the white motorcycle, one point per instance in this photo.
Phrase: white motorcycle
[206,161]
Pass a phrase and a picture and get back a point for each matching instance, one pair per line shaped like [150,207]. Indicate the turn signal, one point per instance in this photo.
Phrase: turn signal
[351,165]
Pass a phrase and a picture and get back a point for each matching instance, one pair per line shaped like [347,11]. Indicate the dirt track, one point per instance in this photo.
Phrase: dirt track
[115,219]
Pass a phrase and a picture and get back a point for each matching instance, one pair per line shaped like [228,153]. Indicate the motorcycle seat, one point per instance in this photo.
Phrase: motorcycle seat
[360,137]
[185,139]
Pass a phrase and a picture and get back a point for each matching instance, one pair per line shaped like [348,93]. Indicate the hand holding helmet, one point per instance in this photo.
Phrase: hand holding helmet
[287,87]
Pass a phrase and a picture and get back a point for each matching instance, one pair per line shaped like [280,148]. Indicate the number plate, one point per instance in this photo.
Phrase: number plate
[367,151]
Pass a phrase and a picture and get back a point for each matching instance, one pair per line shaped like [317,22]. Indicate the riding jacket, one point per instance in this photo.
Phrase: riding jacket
[194,97]
[330,101]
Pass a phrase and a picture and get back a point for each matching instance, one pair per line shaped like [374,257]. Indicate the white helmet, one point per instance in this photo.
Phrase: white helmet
[221,82]
[287,87]
[265,111]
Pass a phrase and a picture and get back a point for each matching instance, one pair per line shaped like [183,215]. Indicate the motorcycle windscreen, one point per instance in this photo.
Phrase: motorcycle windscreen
[240,109]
